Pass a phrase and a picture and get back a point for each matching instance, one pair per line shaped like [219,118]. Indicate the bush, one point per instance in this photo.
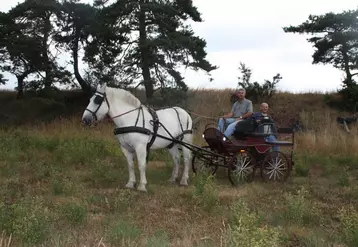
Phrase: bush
[254,91]
[247,229]
[169,97]
[346,99]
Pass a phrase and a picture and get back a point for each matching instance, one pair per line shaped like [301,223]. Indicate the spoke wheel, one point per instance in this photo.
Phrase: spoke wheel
[275,167]
[242,168]
[203,162]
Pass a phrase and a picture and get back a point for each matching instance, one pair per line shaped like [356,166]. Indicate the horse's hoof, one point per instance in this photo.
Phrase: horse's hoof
[183,183]
[172,180]
[130,185]
[142,188]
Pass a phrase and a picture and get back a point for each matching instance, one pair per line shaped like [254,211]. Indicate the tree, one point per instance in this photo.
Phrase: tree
[335,38]
[158,41]
[106,46]
[15,55]
[75,21]
[37,20]
[254,90]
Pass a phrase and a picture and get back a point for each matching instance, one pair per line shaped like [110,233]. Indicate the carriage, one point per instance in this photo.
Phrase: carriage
[246,153]
[139,129]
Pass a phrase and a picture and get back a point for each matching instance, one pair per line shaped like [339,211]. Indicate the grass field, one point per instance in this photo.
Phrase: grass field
[63,185]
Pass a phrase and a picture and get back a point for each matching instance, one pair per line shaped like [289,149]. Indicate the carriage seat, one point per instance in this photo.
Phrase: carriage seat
[253,128]
[256,134]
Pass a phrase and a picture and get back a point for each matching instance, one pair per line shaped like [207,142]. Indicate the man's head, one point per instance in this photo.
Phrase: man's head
[241,93]
[264,107]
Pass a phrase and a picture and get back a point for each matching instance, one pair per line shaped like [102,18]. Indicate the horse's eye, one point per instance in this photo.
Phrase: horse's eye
[98,100]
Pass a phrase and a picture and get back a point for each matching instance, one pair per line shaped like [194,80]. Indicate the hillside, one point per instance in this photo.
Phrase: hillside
[64,185]
[285,107]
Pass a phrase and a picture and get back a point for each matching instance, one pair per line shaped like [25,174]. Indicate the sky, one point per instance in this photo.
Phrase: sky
[251,32]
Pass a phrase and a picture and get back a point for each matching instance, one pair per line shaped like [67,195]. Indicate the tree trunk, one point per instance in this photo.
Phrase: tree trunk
[349,81]
[144,51]
[84,85]
[20,85]
[48,69]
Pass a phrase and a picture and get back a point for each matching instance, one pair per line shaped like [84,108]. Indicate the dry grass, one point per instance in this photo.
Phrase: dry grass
[5,241]
[63,185]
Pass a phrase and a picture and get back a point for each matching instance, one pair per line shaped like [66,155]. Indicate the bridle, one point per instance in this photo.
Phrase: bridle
[100,97]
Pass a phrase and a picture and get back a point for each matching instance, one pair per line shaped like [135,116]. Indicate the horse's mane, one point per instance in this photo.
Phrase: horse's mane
[123,95]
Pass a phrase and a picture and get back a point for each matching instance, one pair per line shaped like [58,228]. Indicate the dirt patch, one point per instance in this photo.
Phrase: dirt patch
[316,171]
[157,164]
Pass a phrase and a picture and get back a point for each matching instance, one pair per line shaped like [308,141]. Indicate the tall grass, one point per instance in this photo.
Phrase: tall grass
[62,184]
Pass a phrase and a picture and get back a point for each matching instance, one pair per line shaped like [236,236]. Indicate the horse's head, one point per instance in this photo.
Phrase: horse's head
[98,106]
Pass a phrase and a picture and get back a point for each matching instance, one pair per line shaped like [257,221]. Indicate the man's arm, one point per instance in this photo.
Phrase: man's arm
[247,114]
[230,114]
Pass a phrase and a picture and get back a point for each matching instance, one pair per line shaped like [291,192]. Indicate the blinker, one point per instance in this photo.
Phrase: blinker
[98,99]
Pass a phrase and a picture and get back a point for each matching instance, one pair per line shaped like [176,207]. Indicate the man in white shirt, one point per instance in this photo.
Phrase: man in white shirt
[241,109]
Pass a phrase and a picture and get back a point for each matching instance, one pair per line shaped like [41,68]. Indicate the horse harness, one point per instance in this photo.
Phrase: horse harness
[100,97]
[98,100]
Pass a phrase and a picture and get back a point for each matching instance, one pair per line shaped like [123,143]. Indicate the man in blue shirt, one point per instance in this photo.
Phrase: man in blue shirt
[261,117]
[241,109]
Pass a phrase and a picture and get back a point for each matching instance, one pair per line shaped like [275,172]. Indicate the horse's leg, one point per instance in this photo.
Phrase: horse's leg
[130,161]
[188,138]
[174,151]
[142,163]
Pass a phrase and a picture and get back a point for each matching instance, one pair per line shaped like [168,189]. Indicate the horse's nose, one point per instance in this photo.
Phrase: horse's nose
[87,120]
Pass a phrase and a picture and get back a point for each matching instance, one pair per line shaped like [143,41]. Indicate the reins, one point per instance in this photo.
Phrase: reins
[203,116]
[103,96]
[126,112]
[193,113]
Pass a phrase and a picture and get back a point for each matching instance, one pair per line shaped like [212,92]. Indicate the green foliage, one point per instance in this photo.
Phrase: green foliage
[298,209]
[302,166]
[205,194]
[164,42]
[26,220]
[346,98]
[159,239]
[349,219]
[256,92]
[335,38]
[75,213]
[168,97]
[246,229]
[123,231]
[343,178]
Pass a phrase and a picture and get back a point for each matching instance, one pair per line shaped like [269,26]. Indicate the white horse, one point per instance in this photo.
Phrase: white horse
[127,111]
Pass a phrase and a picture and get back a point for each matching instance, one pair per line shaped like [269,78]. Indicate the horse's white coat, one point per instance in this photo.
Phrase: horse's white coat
[121,101]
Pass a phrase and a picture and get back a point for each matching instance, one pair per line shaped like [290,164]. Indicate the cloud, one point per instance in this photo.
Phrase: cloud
[251,32]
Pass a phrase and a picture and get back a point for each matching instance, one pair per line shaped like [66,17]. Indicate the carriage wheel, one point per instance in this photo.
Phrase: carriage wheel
[203,162]
[275,167]
[242,168]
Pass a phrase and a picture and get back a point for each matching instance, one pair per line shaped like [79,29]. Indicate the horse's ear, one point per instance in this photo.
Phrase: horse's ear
[92,90]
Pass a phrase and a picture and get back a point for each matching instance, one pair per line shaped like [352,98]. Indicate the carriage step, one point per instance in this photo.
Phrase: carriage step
[281,143]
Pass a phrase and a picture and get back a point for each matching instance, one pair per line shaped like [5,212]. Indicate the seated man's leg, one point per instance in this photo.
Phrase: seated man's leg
[272,138]
[230,129]
[222,122]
